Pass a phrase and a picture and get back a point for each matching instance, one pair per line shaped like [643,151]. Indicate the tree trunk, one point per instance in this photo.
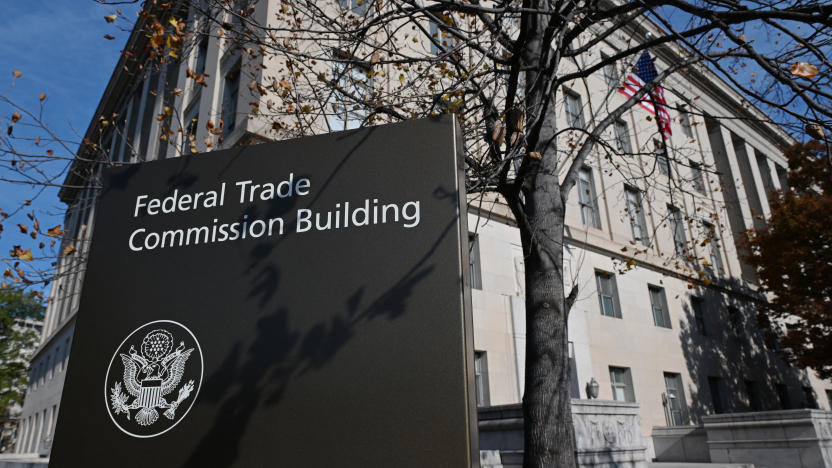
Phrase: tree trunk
[549,438]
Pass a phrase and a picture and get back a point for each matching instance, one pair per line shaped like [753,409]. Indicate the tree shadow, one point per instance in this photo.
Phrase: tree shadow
[733,366]
[257,374]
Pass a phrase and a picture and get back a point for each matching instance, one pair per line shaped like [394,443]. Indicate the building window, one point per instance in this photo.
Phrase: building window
[607,294]
[622,137]
[354,86]
[359,7]
[191,123]
[696,177]
[231,88]
[783,177]
[59,363]
[441,40]
[697,304]
[713,247]
[475,268]
[661,157]
[574,109]
[610,72]
[658,303]
[49,368]
[66,353]
[829,398]
[481,377]
[736,321]
[753,392]
[783,396]
[636,214]
[809,397]
[587,199]
[201,55]
[622,384]
[715,386]
[684,120]
[674,400]
[677,228]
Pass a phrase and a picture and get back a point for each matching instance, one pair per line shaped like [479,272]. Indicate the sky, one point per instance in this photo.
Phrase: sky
[59,48]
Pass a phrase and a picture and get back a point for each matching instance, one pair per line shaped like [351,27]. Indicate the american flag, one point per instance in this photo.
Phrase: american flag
[645,72]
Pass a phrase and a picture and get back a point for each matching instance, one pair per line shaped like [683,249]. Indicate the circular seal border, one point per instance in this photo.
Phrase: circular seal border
[193,400]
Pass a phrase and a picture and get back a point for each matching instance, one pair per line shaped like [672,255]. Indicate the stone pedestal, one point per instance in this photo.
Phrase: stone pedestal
[607,434]
[772,439]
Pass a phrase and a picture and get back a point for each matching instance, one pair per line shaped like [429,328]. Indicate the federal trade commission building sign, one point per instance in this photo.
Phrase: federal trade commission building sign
[298,304]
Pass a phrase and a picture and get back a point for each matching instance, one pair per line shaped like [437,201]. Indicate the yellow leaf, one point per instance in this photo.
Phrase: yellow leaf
[804,70]
[111,18]
[26,255]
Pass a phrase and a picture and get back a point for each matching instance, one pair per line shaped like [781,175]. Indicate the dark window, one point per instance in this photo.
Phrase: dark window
[753,395]
[674,400]
[735,318]
[783,396]
[230,91]
[697,304]
[201,56]
[829,398]
[607,294]
[658,303]
[715,386]
[808,395]
[481,377]
[622,384]
[474,261]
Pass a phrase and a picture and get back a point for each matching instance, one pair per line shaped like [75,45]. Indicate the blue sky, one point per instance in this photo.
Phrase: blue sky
[60,49]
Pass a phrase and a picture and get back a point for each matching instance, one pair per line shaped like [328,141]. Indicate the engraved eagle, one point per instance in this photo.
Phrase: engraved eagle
[150,375]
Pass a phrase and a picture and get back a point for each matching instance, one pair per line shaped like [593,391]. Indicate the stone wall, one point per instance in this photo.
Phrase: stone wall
[607,434]
[772,439]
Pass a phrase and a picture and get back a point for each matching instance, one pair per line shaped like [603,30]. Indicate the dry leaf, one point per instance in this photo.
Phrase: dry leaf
[17,73]
[804,70]
[55,231]
[111,18]
[69,249]
[109,37]
[42,96]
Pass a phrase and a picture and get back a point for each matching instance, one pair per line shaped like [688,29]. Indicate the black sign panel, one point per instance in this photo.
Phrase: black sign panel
[298,304]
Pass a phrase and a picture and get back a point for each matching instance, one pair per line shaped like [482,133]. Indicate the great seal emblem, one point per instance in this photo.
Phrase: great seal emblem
[153,378]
